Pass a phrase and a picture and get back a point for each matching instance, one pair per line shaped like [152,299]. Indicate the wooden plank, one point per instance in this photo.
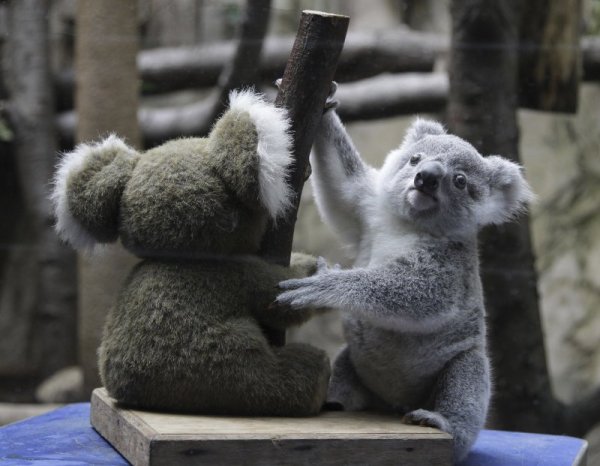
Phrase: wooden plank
[332,438]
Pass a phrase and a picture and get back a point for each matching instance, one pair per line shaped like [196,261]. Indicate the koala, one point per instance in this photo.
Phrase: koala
[185,332]
[412,305]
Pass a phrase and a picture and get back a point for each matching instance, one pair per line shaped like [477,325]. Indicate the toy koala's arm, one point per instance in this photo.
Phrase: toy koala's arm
[342,182]
[265,278]
[399,293]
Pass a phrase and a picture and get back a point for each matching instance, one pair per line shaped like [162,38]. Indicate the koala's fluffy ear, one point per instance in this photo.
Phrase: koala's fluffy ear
[87,191]
[421,128]
[509,191]
[250,146]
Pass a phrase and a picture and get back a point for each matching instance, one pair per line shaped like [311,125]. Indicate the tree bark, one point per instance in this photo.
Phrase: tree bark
[106,46]
[482,109]
[37,306]
[303,91]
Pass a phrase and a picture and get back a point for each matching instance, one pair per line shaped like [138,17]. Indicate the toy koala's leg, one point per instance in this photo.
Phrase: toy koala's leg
[303,379]
[346,388]
[461,399]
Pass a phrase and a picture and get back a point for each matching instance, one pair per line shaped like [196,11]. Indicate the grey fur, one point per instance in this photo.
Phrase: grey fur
[414,316]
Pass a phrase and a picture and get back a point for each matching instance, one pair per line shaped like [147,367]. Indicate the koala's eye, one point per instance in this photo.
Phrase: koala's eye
[460,181]
[415,159]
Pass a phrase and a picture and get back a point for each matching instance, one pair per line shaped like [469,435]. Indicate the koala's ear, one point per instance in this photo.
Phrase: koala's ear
[250,146]
[88,185]
[509,191]
[421,128]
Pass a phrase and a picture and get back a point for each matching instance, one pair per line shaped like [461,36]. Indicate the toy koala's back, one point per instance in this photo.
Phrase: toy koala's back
[185,332]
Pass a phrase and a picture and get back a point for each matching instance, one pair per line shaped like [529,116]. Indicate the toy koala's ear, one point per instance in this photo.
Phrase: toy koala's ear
[251,149]
[509,191]
[421,128]
[87,191]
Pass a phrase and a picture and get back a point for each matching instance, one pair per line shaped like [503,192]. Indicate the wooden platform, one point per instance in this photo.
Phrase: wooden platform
[332,438]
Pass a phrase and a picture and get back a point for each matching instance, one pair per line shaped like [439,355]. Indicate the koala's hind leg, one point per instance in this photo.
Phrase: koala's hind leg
[346,388]
[461,399]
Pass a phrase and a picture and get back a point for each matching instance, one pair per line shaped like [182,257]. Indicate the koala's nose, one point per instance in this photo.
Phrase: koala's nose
[428,178]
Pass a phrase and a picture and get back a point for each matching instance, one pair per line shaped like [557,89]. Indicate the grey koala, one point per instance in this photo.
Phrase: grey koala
[412,305]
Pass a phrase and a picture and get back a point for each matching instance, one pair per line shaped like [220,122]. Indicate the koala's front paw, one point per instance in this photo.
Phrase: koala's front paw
[331,103]
[423,417]
[300,293]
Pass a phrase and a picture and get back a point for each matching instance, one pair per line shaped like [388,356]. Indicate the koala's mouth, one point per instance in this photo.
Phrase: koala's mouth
[421,200]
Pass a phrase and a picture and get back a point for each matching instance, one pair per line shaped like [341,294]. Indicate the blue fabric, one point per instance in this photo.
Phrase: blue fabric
[499,448]
[61,437]
[65,437]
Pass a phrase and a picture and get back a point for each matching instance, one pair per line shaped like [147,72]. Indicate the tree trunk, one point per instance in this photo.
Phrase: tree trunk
[37,302]
[482,109]
[107,91]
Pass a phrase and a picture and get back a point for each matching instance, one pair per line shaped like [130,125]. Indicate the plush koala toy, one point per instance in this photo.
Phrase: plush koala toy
[185,332]
[413,309]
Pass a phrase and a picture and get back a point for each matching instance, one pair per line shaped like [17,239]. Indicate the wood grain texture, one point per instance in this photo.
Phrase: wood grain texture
[332,438]
[304,88]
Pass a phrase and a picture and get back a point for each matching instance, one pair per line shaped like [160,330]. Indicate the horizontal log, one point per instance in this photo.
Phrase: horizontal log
[365,54]
[389,95]
[382,96]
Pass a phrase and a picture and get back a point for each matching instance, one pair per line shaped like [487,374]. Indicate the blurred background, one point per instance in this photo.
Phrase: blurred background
[519,79]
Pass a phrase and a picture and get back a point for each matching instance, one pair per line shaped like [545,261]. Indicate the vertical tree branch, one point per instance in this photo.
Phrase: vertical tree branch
[304,88]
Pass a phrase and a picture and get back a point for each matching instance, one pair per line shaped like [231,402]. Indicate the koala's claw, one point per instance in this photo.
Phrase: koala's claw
[331,103]
[423,417]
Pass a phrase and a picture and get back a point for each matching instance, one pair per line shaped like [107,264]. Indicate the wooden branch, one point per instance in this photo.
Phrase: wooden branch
[390,95]
[365,54]
[304,89]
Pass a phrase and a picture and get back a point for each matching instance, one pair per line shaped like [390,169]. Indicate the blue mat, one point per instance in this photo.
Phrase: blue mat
[65,437]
